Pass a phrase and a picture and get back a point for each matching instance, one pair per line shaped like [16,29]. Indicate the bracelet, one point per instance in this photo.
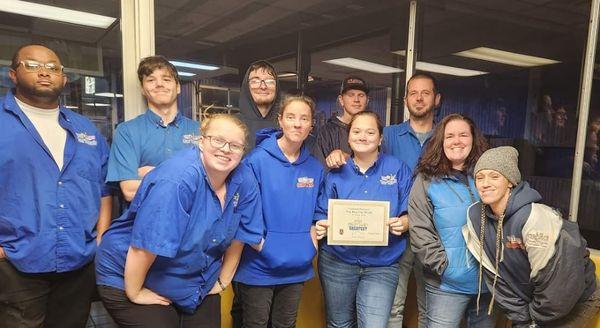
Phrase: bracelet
[221,284]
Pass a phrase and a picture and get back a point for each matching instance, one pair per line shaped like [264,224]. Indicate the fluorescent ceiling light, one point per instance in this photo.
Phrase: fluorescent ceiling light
[194,65]
[505,57]
[108,95]
[185,73]
[363,65]
[97,104]
[288,75]
[55,13]
[71,107]
[442,69]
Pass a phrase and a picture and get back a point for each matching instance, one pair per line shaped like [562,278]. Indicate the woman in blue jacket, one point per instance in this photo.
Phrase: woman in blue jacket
[442,191]
[359,282]
[164,261]
[270,282]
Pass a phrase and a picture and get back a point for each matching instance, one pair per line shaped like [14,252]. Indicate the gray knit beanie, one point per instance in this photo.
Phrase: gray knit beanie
[502,159]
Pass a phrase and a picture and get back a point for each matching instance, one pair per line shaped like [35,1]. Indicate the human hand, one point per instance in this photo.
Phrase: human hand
[321,229]
[336,159]
[398,225]
[218,288]
[142,171]
[145,297]
[2,254]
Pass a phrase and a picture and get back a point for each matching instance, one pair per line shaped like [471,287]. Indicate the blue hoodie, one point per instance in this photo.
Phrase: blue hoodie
[290,193]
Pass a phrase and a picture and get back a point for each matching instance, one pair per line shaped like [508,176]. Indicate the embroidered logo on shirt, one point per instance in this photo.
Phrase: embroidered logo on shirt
[537,239]
[86,139]
[389,179]
[514,243]
[305,182]
[236,198]
[190,138]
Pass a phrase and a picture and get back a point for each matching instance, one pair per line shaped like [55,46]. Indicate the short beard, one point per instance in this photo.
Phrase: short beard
[52,93]
[420,115]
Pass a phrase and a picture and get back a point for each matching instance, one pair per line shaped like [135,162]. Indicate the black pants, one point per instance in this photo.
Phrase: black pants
[128,314]
[279,303]
[48,300]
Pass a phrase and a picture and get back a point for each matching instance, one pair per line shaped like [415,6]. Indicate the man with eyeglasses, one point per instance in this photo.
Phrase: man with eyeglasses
[142,143]
[259,97]
[331,147]
[54,205]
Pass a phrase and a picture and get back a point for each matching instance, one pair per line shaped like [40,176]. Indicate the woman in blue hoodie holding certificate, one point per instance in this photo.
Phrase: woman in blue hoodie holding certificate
[359,282]
[270,282]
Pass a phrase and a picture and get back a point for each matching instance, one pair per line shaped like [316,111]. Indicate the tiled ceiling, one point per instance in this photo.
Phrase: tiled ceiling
[235,32]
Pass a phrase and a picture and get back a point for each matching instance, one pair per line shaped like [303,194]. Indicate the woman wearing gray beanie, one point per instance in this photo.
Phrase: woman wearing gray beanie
[535,263]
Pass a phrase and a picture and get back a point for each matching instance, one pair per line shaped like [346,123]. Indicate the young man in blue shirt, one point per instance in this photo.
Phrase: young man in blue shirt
[406,141]
[142,143]
[53,200]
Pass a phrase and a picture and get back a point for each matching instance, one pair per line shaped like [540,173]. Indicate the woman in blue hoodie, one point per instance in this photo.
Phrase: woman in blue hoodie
[359,282]
[270,282]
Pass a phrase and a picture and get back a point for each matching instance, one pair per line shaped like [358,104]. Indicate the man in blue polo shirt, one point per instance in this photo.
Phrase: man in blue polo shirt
[406,142]
[52,196]
[142,143]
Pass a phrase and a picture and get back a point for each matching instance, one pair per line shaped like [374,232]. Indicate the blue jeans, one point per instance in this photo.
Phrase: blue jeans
[446,309]
[356,296]
[408,262]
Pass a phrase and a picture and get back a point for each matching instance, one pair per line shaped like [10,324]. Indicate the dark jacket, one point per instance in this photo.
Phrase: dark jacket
[544,268]
[332,135]
[250,114]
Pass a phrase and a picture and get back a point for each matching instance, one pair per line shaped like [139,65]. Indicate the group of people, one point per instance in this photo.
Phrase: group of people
[243,200]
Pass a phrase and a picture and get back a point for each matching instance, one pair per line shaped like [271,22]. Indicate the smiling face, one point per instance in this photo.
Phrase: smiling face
[32,86]
[160,88]
[295,121]
[493,188]
[458,141]
[421,98]
[221,160]
[262,87]
[353,102]
[364,136]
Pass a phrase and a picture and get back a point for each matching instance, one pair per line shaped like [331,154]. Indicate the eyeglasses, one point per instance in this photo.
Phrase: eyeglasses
[219,143]
[35,66]
[256,82]
[292,119]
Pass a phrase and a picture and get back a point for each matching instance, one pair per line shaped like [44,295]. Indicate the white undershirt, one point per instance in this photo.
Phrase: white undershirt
[45,122]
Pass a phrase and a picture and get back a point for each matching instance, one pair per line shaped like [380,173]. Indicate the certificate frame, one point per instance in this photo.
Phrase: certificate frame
[358,222]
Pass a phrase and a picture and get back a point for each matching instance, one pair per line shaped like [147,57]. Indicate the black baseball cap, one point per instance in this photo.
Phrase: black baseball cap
[354,83]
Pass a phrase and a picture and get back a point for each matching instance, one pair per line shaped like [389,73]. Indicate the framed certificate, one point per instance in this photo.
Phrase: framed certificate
[358,222]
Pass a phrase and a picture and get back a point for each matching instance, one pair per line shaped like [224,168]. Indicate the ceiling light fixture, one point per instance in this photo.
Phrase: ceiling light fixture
[185,73]
[506,57]
[442,69]
[363,65]
[194,65]
[54,13]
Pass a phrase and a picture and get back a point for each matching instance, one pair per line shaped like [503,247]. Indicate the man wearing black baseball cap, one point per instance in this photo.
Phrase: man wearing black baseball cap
[331,146]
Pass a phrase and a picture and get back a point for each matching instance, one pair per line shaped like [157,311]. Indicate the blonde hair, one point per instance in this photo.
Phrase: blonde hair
[205,125]
[288,99]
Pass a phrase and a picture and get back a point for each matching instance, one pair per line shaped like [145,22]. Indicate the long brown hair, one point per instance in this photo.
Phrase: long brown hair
[434,163]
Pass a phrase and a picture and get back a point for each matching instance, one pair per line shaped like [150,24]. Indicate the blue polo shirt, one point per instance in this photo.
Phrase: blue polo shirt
[290,191]
[401,141]
[389,179]
[48,216]
[146,140]
[177,216]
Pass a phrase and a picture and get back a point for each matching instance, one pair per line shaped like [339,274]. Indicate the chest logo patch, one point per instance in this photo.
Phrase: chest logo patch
[190,139]
[388,180]
[305,182]
[514,242]
[87,139]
